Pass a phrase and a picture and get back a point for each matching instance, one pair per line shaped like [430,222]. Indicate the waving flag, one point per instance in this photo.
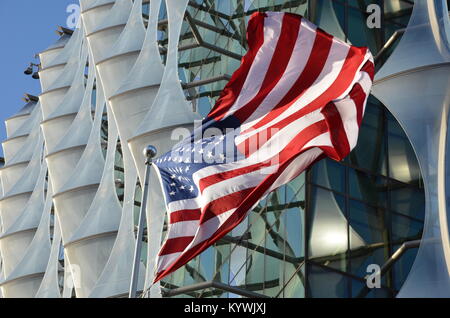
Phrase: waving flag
[298,96]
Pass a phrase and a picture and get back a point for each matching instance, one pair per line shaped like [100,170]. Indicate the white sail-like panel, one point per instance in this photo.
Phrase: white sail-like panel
[56,80]
[12,145]
[70,138]
[61,73]
[17,121]
[19,222]
[16,196]
[116,276]
[427,29]
[68,281]
[31,121]
[90,245]
[49,54]
[30,215]
[23,280]
[49,75]
[120,58]
[49,287]
[425,104]
[65,55]
[86,5]
[70,79]
[78,132]
[65,129]
[11,173]
[131,102]
[95,13]
[115,279]
[108,30]
[25,153]
[17,140]
[18,178]
[75,196]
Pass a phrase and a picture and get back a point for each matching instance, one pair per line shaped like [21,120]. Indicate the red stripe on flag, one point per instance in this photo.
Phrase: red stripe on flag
[278,64]
[358,96]
[337,132]
[222,176]
[184,215]
[175,245]
[223,204]
[313,68]
[369,68]
[255,39]
[352,62]
[298,142]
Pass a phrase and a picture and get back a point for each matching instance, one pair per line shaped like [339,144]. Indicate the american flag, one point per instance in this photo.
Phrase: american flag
[298,96]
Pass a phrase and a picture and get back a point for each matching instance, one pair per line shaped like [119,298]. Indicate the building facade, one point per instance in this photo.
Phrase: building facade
[133,72]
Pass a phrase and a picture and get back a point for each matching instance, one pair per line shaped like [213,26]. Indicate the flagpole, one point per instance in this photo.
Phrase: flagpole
[149,153]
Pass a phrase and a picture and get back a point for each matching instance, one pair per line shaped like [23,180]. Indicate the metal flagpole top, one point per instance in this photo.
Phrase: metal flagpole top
[149,152]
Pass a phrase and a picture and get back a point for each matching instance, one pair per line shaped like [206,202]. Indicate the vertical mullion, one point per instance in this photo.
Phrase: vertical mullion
[346,20]
[307,229]
[284,215]
[388,216]
[348,266]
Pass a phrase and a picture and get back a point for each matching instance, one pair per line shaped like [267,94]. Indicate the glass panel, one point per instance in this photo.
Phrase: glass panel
[273,276]
[405,228]
[370,153]
[328,233]
[206,268]
[222,265]
[370,226]
[329,174]
[403,165]
[369,188]
[324,283]
[358,32]
[402,267]
[407,200]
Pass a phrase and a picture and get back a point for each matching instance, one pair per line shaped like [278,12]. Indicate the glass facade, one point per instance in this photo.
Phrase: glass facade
[316,236]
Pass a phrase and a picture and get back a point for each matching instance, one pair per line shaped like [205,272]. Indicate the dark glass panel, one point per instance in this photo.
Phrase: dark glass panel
[295,229]
[358,32]
[405,228]
[403,265]
[367,187]
[407,200]
[370,153]
[369,239]
[324,283]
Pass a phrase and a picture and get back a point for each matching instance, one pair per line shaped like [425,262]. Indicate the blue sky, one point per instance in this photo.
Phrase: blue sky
[27,27]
